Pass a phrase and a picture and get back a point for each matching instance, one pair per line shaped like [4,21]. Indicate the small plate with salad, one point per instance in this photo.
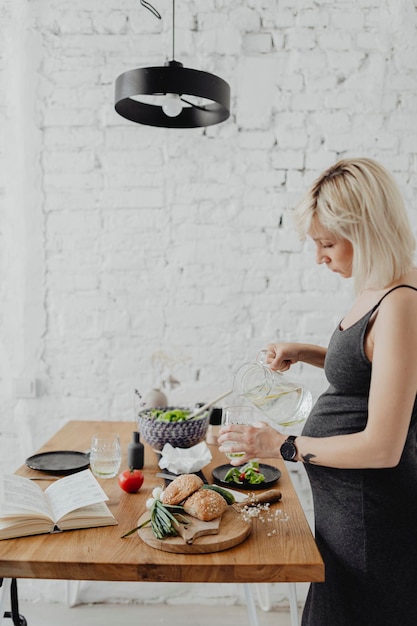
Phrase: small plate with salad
[251,476]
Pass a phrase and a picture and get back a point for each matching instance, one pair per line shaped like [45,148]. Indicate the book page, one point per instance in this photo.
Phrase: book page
[20,496]
[92,515]
[73,492]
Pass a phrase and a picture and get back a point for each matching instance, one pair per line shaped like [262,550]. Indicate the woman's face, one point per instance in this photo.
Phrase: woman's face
[336,253]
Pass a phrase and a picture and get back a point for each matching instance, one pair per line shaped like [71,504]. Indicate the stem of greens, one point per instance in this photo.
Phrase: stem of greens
[162,521]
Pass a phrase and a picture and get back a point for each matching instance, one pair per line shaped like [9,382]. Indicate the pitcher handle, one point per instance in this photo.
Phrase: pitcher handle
[261,357]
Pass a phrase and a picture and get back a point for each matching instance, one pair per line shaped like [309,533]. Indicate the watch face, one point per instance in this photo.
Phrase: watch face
[288,451]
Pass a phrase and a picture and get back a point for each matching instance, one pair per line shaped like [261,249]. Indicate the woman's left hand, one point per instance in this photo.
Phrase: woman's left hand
[258,441]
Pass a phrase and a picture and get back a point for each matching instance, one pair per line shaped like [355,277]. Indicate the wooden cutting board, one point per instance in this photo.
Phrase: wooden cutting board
[200,537]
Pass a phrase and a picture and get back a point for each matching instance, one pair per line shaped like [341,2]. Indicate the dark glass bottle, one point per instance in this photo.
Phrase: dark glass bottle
[135,452]
[214,425]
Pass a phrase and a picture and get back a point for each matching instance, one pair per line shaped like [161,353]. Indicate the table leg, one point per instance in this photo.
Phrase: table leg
[250,605]
[10,585]
[4,593]
[292,594]
[265,602]
[73,587]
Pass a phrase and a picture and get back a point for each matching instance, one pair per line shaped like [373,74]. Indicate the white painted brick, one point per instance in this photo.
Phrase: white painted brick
[60,199]
[129,137]
[246,18]
[226,37]
[289,138]
[71,21]
[321,160]
[344,63]
[266,180]
[402,122]
[261,43]
[115,197]
[112,22]
[79,161]
[255,78]
[73,281]
[296,182]
[335,40]
[306,101]
[301,39]
[141,21]
[55,116]
[283,17]
[348,20]
[368,41]
[278,40]
[287,159]
[311,18]
[150,157]
[69,180]
[256,140]
[72,138]
[406,144]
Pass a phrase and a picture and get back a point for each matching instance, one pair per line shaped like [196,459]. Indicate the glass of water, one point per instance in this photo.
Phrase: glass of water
[105,455]
[236,415]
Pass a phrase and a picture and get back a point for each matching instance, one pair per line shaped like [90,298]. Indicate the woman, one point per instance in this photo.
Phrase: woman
[359,444]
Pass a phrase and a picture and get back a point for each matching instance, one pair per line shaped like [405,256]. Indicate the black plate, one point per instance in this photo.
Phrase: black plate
[60,462]
[271,473]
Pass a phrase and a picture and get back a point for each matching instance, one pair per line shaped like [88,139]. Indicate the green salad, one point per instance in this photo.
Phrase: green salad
[174,415]
[248,473]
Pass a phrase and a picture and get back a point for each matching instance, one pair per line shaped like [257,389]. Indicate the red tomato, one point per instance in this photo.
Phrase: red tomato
[131,480]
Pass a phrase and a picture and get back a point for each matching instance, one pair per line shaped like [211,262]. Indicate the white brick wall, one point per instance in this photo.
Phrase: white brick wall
[120,241]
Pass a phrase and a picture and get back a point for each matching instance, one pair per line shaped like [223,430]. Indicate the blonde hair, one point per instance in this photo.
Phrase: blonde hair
[359,200]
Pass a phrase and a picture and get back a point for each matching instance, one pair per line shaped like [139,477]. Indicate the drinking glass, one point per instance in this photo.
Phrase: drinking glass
[105,455]
[236,415]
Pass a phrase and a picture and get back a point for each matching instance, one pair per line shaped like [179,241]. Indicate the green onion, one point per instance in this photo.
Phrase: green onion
[163,522]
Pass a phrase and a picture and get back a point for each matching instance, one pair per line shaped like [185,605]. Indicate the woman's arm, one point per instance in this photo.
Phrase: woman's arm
[280,356]
[392,395]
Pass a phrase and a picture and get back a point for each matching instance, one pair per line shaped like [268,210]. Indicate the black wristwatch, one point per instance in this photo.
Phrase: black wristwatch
[288,449]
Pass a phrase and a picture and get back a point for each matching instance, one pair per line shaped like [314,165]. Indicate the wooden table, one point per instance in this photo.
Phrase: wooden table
[288,555]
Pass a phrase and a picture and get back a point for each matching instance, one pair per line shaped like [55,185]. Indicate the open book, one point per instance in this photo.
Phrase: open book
[76,501]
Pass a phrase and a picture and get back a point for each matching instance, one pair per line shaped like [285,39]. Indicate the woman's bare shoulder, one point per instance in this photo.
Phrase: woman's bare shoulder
[400,304]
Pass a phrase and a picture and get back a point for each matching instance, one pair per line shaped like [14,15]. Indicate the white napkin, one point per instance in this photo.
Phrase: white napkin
[185,460]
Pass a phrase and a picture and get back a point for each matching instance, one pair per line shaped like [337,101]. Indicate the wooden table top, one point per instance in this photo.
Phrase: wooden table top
[275,551]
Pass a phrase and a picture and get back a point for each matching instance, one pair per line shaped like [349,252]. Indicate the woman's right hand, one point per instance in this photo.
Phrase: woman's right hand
[280,356]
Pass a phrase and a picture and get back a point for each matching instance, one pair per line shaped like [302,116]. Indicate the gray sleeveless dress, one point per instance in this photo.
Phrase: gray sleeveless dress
[365,520]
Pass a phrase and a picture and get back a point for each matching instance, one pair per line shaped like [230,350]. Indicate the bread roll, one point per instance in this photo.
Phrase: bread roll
[180,488]
[205,505]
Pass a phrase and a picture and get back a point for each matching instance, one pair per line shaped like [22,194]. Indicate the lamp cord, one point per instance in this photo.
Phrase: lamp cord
[173,30]
[151,8]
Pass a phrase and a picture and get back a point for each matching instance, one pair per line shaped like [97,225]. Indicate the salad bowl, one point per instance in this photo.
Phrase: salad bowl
[170,425]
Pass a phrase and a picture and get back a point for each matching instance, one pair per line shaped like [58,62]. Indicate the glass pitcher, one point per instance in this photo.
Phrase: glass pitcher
[283,400]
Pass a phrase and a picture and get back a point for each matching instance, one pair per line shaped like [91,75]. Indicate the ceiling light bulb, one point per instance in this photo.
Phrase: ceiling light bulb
[172,105]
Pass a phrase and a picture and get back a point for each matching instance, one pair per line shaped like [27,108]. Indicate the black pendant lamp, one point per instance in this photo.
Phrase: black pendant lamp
[185,98]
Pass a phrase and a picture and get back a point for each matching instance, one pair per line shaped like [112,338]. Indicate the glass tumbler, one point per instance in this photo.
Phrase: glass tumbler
[105,455]
[236,415]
